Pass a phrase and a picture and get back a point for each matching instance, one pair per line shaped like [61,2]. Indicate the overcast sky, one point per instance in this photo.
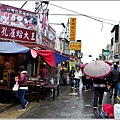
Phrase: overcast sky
[88,30]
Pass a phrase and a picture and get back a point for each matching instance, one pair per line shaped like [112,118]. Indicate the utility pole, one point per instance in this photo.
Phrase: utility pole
[39,4]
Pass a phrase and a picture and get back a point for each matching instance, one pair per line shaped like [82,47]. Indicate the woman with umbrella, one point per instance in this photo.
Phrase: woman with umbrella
[98,70]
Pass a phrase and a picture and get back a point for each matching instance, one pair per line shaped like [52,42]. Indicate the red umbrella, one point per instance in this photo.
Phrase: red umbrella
[109,63]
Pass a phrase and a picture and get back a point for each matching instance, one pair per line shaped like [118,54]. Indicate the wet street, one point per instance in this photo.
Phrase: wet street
[67,105]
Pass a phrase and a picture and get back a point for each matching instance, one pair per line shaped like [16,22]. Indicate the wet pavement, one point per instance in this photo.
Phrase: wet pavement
[11,110]
[66,105]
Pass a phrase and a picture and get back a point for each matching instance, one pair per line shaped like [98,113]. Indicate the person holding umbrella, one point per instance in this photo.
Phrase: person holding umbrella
[98,70]
[99,88]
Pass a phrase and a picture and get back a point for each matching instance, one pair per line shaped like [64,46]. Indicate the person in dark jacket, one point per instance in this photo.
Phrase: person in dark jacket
[84,81]
[21,92]
[114,79]
[72,75]
[88,83]
[99,88]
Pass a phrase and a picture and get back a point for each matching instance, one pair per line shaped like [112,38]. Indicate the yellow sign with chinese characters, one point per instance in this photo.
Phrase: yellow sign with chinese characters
[74,45]
[72,29]
[71,64]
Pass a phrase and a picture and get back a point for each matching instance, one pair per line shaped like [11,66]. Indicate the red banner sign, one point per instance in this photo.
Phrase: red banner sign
[17,17]
[43,27]
[72,29]
[15,33]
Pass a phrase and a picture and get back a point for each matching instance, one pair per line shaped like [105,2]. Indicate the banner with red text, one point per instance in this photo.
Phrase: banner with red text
[72,29]
[15,33]
[74,45]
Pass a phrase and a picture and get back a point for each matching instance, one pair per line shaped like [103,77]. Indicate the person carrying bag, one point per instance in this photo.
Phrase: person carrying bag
[21,91]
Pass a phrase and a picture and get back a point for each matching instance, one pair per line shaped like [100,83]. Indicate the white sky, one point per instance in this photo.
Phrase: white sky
[88,30]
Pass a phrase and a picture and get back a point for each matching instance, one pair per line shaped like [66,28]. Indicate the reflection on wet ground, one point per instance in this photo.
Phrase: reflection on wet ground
[67,105]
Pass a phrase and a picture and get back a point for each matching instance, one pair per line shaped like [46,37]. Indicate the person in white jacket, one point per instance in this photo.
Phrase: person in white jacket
[78,76]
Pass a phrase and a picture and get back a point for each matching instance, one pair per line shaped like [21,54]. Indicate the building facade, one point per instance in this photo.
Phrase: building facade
[115,43]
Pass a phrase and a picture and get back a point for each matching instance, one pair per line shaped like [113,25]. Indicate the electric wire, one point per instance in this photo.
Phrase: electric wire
[23,4]
[80,14]
[92,17]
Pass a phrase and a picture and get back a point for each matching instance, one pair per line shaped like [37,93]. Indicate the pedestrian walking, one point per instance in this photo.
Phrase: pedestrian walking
[72,75]
[118,96]
[114,79]
[88,83]
[78,75]
[84,81]
[99,88]
[21,92]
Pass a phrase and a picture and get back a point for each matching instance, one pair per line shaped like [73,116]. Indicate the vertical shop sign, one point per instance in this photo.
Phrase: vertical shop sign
[72,29]
[51,33]
[42,22]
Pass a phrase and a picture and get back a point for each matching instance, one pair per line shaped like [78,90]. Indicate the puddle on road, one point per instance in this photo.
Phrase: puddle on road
[73,107]
[87,105]
[77,98]
[66,101]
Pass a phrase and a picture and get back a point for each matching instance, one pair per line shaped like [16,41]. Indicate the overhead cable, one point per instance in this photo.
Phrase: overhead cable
[24,4]
[80,14]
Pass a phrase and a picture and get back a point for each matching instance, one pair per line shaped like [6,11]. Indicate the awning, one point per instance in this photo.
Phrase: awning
[60,58]
[48,56]
[34,45]
[71,56]
[52,58]
[12,47]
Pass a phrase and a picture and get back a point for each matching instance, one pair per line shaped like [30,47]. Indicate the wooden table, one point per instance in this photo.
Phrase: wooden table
[36,84]
[50,86]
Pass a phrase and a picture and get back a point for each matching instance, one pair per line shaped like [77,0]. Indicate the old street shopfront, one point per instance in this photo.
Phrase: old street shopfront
[21,26]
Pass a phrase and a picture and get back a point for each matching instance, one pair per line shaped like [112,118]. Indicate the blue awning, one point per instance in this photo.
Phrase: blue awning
[12,47]
[60,58]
